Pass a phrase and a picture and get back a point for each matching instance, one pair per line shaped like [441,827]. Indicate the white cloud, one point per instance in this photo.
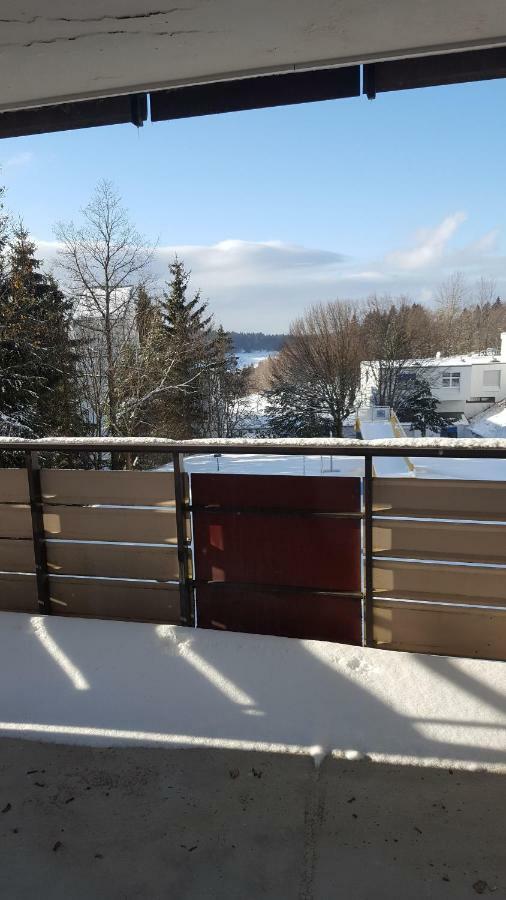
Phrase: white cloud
[430,246]
[264,285]
[239,263]
[17,161]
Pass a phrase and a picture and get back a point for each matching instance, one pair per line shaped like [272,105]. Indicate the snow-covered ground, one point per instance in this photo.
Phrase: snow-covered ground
[265,464]
[254,418]
[470,469]
[110,683]
[492,422]
[425,467]
[385,466]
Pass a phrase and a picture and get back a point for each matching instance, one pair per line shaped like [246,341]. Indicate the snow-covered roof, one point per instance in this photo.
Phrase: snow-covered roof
[492,422]
[462,359]
[444,362]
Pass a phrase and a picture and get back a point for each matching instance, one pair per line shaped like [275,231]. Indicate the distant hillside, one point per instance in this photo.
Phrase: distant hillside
[249,341]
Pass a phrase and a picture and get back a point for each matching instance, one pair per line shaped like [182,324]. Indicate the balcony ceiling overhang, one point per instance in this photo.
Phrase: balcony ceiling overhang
[60,52]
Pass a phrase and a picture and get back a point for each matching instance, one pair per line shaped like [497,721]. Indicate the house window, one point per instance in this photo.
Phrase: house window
[451,379]
[492,378]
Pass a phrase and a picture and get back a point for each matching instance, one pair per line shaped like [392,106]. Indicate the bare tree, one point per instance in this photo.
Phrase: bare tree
[451,298]
[488,317]
[485,292]
[319,365]
[468,320]
[104,259]
[396,334]
[145,372]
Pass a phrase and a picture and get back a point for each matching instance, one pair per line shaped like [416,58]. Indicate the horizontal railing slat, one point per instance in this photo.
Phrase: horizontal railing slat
[458,584]
[149,526]
[18,593]
[451,631]
[123,488]
[465,542]
[440,498]
[16,556]
[115,600]
[15,522]
[108,560]
[408,555]
[14,486]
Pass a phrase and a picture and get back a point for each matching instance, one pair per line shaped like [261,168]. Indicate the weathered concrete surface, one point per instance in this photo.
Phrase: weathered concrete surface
[50,52]
[81,822]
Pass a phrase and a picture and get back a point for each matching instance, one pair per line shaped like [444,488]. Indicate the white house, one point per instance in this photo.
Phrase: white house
[465,384]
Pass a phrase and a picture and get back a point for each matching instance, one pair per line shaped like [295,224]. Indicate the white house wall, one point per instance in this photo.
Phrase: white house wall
[471,385]
[451,399]
[478,389]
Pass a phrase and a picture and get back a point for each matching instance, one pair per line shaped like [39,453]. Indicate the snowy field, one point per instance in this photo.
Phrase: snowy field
[424,467]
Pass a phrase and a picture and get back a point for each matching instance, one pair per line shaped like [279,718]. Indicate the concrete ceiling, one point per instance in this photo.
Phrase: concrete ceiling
[58,51]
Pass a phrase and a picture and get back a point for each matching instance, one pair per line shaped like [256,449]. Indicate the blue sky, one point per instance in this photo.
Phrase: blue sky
[275,209]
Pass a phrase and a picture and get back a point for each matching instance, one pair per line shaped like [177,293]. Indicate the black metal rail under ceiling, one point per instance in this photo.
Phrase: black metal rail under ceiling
[260,91]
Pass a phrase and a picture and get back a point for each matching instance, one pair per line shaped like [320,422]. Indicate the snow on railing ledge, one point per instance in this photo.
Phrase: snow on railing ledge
[457,447]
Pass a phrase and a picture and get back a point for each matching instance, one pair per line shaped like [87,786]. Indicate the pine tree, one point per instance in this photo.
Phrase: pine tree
[225,387]
[143,372]
[419,407]
[293,410]
[191,347]
[18,388]
[147,314]
[13,394]
[38,356]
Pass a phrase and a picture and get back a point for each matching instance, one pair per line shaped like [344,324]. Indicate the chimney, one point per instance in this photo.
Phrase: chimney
[503,346]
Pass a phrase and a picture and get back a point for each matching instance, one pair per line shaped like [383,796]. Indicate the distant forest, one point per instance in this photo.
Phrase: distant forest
[248,341]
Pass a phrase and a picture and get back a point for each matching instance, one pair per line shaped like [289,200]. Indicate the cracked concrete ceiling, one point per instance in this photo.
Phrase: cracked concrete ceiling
[58,51]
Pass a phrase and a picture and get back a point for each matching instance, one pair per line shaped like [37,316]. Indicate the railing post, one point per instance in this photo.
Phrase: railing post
[368,550]
[38,535]
[185,595]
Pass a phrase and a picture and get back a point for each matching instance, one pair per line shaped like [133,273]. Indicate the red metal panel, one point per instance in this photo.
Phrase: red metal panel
[291,550]
[301,615]
[253,533]
[277,491]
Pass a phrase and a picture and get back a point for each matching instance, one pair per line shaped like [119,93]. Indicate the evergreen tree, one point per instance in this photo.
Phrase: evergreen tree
[294,411]
[39,393]
[224,389]
[147,314]
[419,406]
[13,393]
[191,347]
[12,420]
[144,372]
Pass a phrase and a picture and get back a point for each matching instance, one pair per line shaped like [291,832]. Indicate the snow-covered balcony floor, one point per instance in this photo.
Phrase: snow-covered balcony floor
[163,761]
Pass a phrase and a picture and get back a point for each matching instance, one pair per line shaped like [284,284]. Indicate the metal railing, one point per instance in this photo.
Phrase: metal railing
[177,450]
[457,448]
